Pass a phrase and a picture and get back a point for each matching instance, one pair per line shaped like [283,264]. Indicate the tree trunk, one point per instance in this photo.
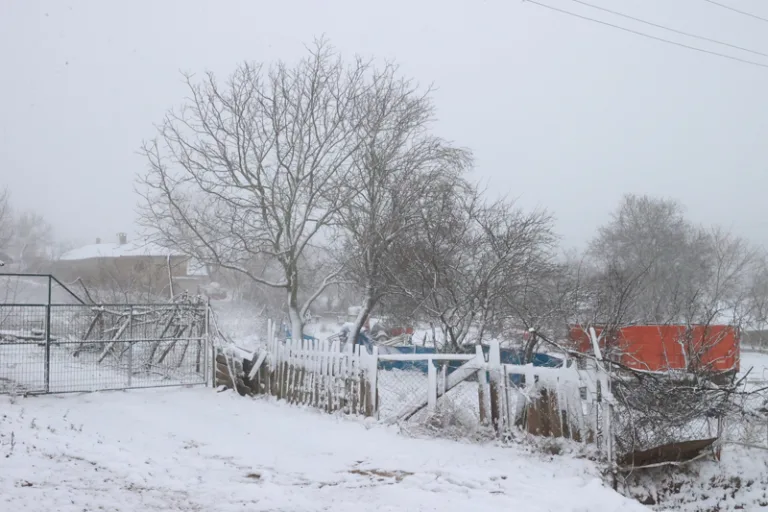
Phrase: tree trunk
[297,323]
[294,313]
[530,347]
[368,303]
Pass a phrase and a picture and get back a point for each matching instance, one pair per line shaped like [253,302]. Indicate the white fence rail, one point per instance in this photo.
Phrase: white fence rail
[557,402]
[307,372]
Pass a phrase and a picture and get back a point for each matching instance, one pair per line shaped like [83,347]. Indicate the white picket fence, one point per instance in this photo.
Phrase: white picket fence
[556,402]
[314,373]
[559,402]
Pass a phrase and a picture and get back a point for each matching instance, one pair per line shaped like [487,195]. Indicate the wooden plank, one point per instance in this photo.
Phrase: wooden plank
[114,340]
[257,365]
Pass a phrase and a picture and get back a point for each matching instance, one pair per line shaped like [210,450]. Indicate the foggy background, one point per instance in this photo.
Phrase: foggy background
[560,112]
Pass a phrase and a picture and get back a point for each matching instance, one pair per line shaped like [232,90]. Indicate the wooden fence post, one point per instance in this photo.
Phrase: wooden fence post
[495,372]
[370,365]
[481,378]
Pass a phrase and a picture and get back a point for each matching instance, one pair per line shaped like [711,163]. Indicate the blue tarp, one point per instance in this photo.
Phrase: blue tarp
[508,356]
[304,336]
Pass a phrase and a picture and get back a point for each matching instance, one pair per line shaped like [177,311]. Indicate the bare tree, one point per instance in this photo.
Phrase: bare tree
[395,173]
[722,299]
[258,166]
[651,266]
[542,304]
[32,241]
[6,220]
[651,238]
[756,322]
[469,257]
[423,271]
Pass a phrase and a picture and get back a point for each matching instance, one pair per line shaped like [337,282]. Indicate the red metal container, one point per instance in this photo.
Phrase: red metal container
[659,348]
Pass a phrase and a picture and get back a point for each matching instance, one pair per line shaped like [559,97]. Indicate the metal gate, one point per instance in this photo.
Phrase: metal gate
[59,348]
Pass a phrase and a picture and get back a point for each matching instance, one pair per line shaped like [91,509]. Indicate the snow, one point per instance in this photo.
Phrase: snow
[756,363]
[22,367]
[738,482]
[116,250]
[194,449]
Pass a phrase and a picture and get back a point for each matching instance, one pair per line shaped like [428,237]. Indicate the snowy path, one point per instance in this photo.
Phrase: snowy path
[193,449]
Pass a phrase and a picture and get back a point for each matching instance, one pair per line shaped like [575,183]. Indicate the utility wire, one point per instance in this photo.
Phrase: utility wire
[670,29]
[649,36]
[745,13]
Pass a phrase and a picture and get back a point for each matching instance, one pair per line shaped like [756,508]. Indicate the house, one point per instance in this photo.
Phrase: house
[131,267]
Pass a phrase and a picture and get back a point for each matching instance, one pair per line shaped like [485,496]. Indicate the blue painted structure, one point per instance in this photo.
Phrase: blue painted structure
[508,356]
[304,336]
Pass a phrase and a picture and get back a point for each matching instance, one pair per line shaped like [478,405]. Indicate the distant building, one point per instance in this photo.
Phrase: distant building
[131,266]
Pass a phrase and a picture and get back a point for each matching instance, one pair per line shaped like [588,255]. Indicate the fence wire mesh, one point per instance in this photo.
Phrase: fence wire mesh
[402,389]
[459,408]
[65,348]
[748,425]
[22,347]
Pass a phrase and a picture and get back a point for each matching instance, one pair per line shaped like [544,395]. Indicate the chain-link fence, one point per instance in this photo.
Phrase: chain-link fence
[748,422]
[65,348]
[492,400]
[463,408]
[402,389]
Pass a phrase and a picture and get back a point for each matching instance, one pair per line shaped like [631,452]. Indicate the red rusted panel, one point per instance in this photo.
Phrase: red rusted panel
[665,347]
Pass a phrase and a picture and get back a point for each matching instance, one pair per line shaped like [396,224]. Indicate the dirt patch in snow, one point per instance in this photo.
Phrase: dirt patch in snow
[379,474]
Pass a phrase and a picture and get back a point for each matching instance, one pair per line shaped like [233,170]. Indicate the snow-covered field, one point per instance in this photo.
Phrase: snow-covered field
[194,449]
[757,362]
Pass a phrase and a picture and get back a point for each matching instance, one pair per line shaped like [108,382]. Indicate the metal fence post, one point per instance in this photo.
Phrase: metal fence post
[48,338]
[207,346]
[431,386]
[130,347]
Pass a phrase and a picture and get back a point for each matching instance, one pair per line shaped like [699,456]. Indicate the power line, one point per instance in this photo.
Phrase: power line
[649,36]
[670,29]
[745,13]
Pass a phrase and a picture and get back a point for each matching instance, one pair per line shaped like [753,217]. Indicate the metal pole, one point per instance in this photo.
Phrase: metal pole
[130,347]
[207,345]
[49,276]
[48,339]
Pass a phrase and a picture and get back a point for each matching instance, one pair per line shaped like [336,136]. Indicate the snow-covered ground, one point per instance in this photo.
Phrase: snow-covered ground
[194,449]
[757,362]
[739,481]
[22,367]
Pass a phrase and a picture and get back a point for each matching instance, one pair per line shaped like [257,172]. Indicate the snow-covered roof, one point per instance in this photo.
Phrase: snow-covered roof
[115,250]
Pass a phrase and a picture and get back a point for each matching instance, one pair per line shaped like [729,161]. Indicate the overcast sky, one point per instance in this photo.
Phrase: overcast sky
[560,112]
